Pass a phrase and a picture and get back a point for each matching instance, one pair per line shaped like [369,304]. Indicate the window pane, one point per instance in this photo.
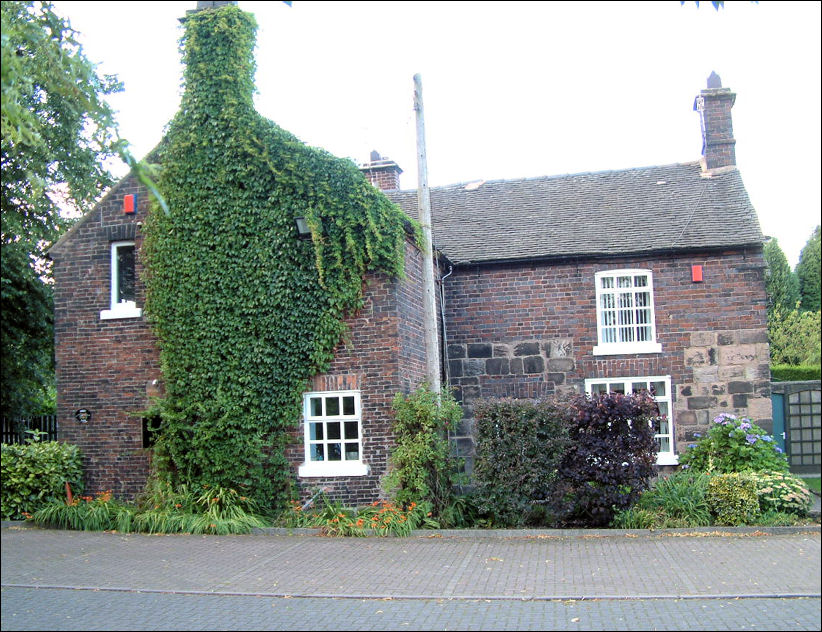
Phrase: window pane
[317,452]
[659,389]
[663,426]
[332,406]
[598,389]
[348,405]
[352,451]
[316,406]
[640,281]
[334,452]
[664,444]
[638,387]
[125,274]
[333,430]
[352,430]
[315,431]
[607,282]
[624,281]
[618,388]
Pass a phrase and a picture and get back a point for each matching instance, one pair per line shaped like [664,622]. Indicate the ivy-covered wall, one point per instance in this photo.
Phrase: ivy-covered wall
[245,311]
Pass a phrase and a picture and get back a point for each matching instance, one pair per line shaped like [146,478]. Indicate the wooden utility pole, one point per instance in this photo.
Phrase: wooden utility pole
[432,348]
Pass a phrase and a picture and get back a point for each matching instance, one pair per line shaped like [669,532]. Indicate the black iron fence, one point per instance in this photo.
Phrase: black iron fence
[19,429]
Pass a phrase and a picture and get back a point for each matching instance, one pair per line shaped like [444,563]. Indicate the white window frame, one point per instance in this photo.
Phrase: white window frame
[667,457]
[124,309]
[342,467]
[607,330]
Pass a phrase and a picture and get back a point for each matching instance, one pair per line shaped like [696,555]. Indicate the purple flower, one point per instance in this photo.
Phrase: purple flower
[745,425]
[767,438]
[751,438]
[778,449]
[697,435]
[724,418]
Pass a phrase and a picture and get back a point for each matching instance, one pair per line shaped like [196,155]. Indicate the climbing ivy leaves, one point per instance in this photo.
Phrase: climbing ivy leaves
[244,310]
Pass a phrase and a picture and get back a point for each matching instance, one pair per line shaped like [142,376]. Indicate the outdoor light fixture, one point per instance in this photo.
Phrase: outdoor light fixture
[303,231]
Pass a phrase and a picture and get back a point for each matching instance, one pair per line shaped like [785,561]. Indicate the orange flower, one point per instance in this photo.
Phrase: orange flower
[178,505]
[360,522]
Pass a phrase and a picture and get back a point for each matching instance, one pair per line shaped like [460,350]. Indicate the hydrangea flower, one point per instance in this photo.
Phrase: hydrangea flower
[767,438]
[751,438]
[745,425]
[724,418]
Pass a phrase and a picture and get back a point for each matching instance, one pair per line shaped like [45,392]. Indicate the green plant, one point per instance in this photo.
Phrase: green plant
[421,466]
[732,498]
[795,337]
[35,474]
[86,513]
[790,373]
[246,312]
[734,445]
[679,498]
[782,492]
[520,445]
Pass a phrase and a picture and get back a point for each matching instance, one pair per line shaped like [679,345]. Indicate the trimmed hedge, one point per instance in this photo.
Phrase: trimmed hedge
[35,474]
[802,373]
[520,445]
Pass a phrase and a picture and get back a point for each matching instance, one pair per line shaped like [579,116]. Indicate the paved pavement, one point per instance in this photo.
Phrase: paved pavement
[518,580]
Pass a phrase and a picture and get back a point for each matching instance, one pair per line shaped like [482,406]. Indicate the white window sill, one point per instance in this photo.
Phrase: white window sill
[333,468]
[121,312]
[627,348]
[666,458]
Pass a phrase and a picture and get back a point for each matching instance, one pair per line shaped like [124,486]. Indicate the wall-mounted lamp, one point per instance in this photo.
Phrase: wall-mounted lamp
[303,231]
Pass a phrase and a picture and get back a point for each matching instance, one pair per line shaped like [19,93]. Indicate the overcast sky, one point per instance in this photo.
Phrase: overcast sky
[510,89]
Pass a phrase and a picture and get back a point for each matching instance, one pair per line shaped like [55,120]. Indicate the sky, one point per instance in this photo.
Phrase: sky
[510,89]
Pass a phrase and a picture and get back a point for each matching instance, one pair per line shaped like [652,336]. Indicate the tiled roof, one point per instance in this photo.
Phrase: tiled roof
[632,211]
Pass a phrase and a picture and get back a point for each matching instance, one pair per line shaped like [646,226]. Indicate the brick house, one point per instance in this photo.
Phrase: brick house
[649,278]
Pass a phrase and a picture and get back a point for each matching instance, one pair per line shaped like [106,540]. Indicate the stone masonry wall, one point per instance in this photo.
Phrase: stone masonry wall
[529,331]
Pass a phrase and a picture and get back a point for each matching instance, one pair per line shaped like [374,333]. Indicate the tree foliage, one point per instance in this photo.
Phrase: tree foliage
[808,272]
[795,337]
[244,311]
[781,284]
[57,131]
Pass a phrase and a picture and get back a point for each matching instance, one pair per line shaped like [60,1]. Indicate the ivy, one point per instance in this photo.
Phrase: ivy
[245,311]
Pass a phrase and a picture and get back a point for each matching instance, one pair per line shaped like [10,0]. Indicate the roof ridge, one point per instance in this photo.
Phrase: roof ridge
[559,176]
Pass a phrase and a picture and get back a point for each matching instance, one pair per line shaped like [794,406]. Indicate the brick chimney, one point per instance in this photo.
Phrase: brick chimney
[382,172]
[714,106]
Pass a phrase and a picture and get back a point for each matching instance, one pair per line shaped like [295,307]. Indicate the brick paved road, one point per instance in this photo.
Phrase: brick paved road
[65,580]
[68,609]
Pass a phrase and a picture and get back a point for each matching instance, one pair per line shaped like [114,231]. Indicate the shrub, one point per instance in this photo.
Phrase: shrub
[802,373]
[782,493]
[733,499]
[422,469]
[734,445]
[520,445]
[611,456]
[35,474]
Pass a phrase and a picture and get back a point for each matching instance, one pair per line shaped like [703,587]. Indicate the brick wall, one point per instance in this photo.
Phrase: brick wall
[383,356]
[529,331]
[111,367]
[104,366]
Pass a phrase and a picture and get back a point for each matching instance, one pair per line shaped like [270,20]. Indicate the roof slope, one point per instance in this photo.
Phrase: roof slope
[632,211]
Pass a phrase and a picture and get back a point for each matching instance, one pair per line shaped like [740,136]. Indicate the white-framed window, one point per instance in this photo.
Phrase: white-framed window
[123,303]
[660,388]
[625,312]
[333,434]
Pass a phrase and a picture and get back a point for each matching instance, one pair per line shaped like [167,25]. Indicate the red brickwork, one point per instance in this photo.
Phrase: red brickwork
[109,367]
[529,331]
[383,356]
[104,366]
